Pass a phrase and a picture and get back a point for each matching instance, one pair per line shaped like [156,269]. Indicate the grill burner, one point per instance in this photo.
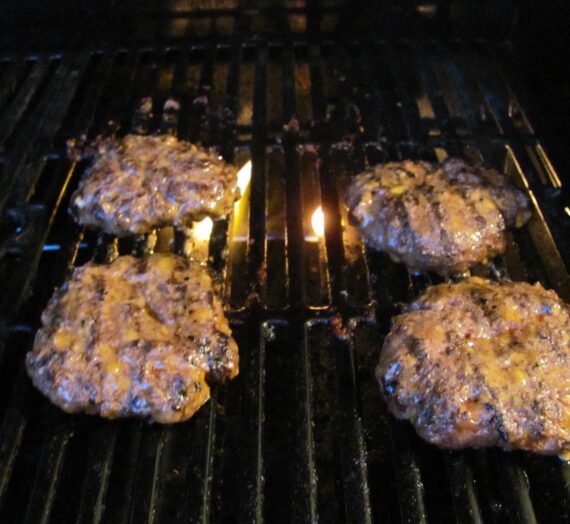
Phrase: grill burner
[302,433]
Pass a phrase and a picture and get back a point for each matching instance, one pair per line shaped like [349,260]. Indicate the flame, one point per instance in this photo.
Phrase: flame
[203,229]
[318,222]
[244,177]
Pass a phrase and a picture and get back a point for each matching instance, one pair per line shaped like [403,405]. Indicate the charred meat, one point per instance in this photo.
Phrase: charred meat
[442,217]
[139,183]
[480,363]
[138,337]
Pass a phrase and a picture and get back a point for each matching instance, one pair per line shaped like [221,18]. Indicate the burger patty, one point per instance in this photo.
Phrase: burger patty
[442,217]
[480,363]
[139,183]
[137,337]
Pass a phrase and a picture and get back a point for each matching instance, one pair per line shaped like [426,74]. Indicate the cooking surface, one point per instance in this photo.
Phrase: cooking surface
[302,431]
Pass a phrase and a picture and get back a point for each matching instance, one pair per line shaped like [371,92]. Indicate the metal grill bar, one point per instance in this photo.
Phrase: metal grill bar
[14,112]
[54,451]
[521,501]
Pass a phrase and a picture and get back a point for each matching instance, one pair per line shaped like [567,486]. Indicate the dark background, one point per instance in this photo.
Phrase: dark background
[532,36]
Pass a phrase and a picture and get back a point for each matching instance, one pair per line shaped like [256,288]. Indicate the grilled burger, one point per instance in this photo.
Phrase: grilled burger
[480,363]
[139,183]
[137,337]
[442,217]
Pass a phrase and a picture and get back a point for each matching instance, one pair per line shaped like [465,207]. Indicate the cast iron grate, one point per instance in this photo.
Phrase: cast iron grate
[302,434]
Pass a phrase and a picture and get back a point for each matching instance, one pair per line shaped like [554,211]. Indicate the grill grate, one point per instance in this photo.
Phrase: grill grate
[302,433]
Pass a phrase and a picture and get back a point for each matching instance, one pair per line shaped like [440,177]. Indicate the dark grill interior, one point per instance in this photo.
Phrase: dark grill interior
[302,433]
